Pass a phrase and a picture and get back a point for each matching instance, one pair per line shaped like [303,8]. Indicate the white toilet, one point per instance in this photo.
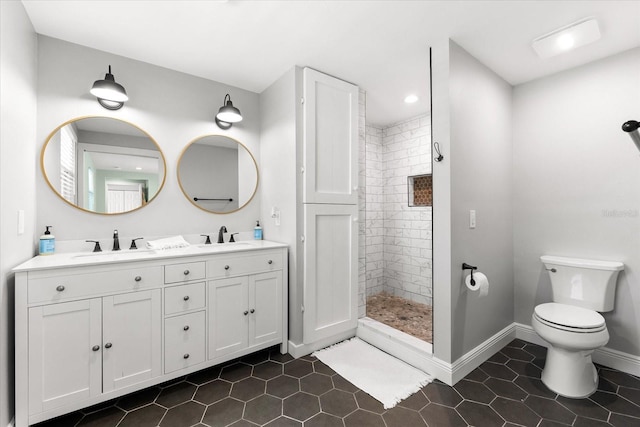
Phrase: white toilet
[572,325]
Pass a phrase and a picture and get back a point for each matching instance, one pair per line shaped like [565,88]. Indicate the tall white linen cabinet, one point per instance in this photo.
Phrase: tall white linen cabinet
[309,186]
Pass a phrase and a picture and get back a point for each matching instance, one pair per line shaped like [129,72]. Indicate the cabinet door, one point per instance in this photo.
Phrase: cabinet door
[330,144]
[228,316]
[65,354]
[265,308]
[330,270]
[131,338]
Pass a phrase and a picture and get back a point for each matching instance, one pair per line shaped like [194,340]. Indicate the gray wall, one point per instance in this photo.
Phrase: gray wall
[174,108]
[577,183]
[477,171]
[18,160]
[481,179]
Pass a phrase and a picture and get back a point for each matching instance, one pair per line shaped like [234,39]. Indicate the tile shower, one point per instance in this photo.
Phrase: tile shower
[396,240]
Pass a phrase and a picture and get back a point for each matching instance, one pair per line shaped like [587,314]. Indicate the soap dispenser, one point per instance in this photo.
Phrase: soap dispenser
[257,231]
[47,242]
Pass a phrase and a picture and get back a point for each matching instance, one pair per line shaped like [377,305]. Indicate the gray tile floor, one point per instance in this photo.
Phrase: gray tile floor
[268,389]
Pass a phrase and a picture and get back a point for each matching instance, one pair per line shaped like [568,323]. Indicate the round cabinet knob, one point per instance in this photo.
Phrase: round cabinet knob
[186,356]
[137,278]
[270,262]
[252,311]
[186,298]
[186,327]
[245,312]
[60,288]
[186,272]
[226,267]
[95,348]
[108,345]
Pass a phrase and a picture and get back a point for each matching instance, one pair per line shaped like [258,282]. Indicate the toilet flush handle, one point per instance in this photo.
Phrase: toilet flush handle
[553,270]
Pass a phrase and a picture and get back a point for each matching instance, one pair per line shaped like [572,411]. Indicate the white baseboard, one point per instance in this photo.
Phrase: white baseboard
[526,333]
[420,356]
[299,350]
[605,356]
[477,356]
[448,373]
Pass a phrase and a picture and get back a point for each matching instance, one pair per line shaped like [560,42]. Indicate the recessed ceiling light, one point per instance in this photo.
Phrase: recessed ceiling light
[410,99]
[569,37]
[138,168]
[565,41]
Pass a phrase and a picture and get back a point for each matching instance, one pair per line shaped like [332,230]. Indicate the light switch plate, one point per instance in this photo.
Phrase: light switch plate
[472,218]
[20,222]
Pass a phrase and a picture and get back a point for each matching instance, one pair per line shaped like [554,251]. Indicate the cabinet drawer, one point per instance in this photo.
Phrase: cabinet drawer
[56,288]
[184,272]
[184,341]
[182,298]
[234,265]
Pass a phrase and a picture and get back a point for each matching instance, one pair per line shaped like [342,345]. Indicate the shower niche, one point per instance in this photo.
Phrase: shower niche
[420,190]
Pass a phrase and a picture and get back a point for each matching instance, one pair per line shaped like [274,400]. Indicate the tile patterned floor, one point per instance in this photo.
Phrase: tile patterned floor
[269,389]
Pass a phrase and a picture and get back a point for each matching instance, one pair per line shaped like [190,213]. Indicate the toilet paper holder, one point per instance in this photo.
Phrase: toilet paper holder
[466,266]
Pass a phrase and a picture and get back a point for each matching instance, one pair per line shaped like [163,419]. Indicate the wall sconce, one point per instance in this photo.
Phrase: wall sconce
[228,114]
[632,128]
[110,94]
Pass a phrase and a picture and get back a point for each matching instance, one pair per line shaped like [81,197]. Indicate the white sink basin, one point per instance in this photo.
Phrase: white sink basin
[114,256]
[218,247]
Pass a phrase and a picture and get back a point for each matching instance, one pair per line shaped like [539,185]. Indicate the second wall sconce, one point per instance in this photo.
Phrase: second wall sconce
[111,95]
[228,114]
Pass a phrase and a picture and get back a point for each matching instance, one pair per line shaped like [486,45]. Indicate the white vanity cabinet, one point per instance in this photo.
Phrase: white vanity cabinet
[89,331]
[245,303]
[80,349]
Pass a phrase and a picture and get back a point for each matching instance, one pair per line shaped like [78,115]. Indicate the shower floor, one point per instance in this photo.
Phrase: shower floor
[405,315]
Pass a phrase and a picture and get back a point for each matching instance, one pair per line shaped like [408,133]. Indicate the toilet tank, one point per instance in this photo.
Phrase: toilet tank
[582,282]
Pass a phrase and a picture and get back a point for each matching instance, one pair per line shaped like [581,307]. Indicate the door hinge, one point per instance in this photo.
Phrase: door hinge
[302,169]
[302,238]
[301,100]
[302,308]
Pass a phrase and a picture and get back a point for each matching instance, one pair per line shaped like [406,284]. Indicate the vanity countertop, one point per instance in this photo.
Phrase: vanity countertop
[75,259]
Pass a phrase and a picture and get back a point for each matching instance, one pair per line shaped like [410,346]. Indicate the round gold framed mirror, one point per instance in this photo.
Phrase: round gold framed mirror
[218,174]
[103,165]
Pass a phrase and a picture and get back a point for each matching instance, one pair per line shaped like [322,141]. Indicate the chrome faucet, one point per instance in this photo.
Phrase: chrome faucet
[223,230]
[116,241]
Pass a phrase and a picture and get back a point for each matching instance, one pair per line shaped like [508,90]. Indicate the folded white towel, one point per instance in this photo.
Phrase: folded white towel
[168,243]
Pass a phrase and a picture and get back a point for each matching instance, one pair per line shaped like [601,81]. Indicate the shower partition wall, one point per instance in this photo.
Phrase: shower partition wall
[398,231]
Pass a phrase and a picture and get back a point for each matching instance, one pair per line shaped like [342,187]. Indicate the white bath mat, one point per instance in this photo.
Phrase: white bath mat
[373,371]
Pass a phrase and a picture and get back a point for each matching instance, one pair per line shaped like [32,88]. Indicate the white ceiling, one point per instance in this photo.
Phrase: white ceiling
[380,45]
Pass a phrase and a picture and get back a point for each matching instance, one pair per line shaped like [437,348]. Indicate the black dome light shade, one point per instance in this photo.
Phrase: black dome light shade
[228,114]
[111,95]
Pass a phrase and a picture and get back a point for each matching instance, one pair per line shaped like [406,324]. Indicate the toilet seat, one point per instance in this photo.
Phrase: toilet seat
[569,318]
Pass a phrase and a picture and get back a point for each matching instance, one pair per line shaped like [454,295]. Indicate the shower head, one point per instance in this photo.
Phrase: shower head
[631,127]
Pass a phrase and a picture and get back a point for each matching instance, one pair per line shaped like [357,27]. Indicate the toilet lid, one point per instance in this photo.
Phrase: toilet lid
[569,315]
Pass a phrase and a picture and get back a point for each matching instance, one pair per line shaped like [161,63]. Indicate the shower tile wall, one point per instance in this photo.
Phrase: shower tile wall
[374,211]
[362,299]
[398,240]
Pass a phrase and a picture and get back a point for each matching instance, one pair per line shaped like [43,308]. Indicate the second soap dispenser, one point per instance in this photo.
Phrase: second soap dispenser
[257,231]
